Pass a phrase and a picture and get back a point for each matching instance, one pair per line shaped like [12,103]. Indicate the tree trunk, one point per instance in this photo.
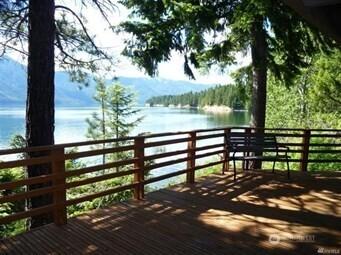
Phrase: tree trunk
[103,126]
[259,73]
[259,76]
[40,94]
[117,128]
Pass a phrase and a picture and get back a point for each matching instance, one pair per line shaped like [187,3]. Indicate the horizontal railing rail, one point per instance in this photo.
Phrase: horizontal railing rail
[186,151]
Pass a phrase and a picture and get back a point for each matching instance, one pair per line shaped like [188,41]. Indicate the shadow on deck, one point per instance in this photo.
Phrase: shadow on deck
[260,213]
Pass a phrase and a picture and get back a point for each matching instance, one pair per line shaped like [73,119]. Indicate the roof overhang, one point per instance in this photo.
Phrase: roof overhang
[323,14]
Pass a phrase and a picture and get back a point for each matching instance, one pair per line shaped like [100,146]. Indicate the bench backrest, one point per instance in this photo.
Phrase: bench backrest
[250,141]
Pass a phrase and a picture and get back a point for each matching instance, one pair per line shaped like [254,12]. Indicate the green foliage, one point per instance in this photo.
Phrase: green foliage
[211,32]
[287,108]
[232,96]
[115,120]
[17,141]
[217,169]
[326,82]
[116,112]
[243,78]
[116,104]
[117,115]
[10,175]
[95,188]
[311,102]
[335,166]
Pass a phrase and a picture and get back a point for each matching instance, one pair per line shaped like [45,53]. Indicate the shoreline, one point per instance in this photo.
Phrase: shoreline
[215,109]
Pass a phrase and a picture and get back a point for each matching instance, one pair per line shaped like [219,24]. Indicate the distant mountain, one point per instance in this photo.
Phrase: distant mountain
[72,94]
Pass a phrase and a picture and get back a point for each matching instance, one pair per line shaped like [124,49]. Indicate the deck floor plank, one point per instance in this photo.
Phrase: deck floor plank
[125,239]
[56,242]
[196,239]
[172,230]
[213,216]
[134,221]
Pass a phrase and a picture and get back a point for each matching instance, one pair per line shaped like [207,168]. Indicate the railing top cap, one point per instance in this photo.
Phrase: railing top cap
[155,135]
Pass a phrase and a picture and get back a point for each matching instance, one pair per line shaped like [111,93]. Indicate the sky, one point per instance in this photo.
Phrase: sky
[104,37]
[172,70]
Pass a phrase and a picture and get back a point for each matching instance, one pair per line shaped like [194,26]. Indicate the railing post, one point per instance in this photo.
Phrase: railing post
[305,150]
[59,196]
[226,154]
[139,166]
[245,163]
[190,177]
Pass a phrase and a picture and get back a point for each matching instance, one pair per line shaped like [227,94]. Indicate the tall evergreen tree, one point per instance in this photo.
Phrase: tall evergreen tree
[120,103]
[117,114]
[40,93]
[212,32]
[30,28]
[97,124]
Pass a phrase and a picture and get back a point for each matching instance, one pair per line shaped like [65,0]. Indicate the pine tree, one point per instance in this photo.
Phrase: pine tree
[276,37]
[120,103]
[116,118]
[96,126]
[46,34]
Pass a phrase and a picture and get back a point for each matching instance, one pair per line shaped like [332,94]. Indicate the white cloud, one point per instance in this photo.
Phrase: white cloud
[172,69]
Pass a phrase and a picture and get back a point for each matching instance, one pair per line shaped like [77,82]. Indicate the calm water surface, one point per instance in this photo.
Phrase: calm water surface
[71,125]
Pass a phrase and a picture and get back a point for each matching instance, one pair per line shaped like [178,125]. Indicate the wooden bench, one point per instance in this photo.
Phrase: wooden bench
[252,146]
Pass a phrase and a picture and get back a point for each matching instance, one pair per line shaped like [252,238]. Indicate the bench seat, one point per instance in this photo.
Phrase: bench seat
[252,146]
[261,157]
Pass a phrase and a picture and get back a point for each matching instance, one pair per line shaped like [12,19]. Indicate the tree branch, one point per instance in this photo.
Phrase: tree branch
[12,48]
[83,28]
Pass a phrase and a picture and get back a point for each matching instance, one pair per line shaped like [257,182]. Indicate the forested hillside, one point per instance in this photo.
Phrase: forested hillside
[233,96]
[72,94]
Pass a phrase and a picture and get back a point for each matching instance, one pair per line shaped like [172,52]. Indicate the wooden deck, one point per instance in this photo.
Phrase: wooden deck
[261,213]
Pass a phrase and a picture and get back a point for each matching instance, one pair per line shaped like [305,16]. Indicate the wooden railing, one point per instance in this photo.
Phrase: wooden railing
[186,150]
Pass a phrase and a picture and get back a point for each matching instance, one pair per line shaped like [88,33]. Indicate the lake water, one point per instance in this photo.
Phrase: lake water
[71,125]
